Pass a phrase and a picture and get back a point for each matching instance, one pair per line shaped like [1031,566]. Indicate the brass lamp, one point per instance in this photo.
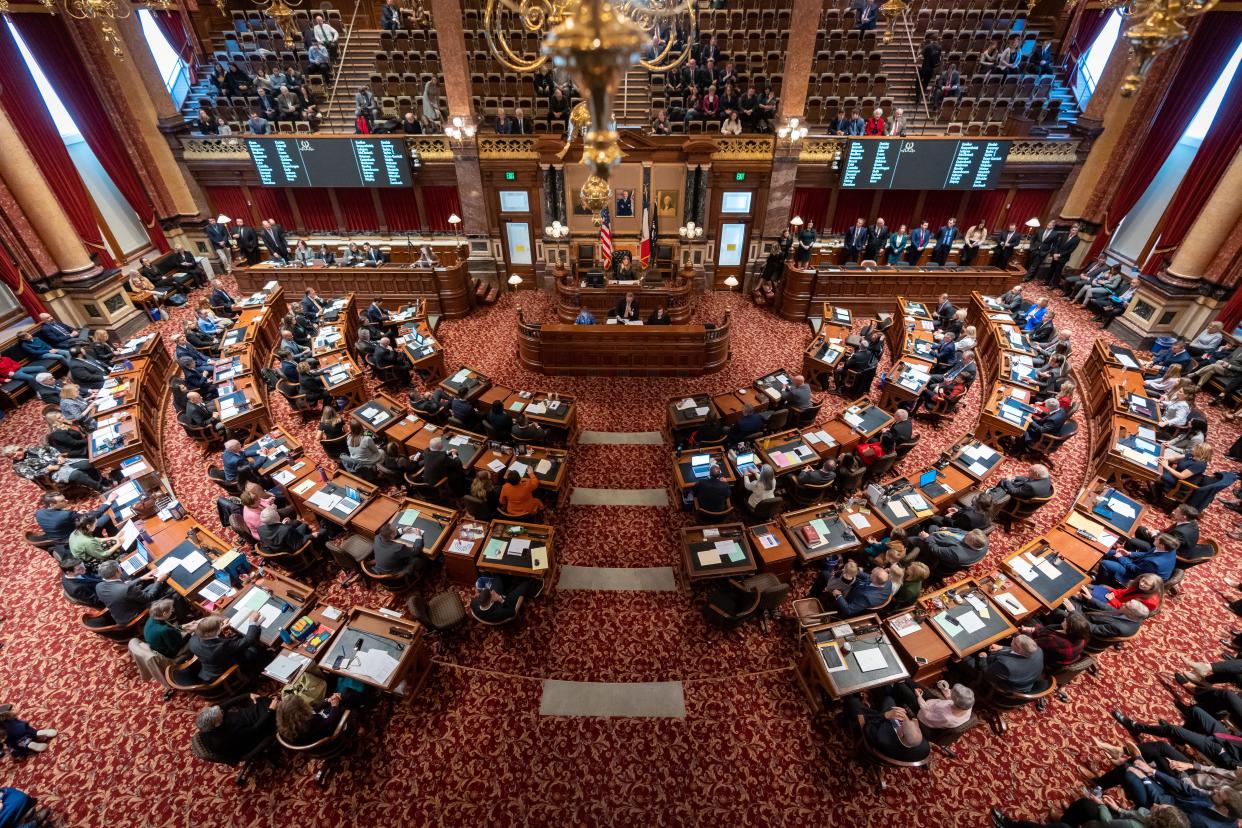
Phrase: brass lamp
[1157,25]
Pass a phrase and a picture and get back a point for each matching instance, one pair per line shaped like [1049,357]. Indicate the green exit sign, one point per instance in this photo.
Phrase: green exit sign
[510,175]
[739,176]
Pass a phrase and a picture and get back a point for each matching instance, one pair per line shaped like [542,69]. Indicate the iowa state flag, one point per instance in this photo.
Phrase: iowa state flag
[644,248]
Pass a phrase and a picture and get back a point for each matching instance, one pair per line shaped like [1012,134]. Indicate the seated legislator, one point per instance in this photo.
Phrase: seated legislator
[287,535]
[659,317]
[527,431]
[300,723]
[395,558]
[626,308]
[79,584]
[712,493]
[1062,643]
[440,465]
[1014,669]
[751,422]
[1120,565]
[864,595]
[218,653]
[943,707]
[161,634]
[889,730]
[57,521]
[87,547]
[125,600]
[234,728]
[498,600]
[797,394]
[1035,485]
[517,496]
[947,551]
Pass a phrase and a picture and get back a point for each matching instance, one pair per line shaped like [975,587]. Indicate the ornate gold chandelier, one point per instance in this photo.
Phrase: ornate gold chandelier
[280,11]
[596,41]
[892,10]
[101,10]
[1156,25]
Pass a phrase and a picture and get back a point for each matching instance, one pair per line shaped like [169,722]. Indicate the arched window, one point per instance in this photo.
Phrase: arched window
[172,67]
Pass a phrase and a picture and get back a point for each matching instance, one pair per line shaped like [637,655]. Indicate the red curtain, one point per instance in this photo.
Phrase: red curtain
[1088,25]
[985,206]
[53,49]
[400,209]
[1028,204]
[357,209]
[12,277]
[316,210]
[230,201]
[851,205]
[273,204]
[441,202]
[30,117]
[1212,45]
[810,204]
[172,25]
[1231,313]
[897,208]
[1215,154]
[941,205]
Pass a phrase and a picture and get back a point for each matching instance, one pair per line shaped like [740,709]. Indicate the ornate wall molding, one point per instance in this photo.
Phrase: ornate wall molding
[224,148]
[518,147]
[431,147]
[1064,151]
[755,148]
[821,150]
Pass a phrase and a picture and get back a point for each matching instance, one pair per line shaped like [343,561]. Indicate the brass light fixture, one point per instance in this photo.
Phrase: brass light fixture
[101,10]
[281,11]
[596,41]
[1156,25]
[892,10]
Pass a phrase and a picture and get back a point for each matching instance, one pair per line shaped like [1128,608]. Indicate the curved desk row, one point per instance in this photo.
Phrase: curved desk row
[869,291]
[674,296]
[833,253]
[623,350]
[445,290]
[128,409]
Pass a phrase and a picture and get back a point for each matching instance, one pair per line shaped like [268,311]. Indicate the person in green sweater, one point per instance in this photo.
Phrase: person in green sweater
[161,634]
[911,585]
[85,546]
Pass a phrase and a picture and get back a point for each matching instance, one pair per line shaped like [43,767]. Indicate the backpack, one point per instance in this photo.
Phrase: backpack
[177,299]
[225,507]
[270,378]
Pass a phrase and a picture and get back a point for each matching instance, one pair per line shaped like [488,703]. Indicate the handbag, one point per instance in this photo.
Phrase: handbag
[311,687]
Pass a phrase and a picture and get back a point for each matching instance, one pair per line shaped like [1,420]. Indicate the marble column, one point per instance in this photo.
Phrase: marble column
[21,238]
[1203,240]
[34,199]
[799,57]
[454,67]
[134,94]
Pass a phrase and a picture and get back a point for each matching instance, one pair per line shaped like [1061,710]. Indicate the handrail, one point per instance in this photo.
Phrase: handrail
[920,96]
[340,64]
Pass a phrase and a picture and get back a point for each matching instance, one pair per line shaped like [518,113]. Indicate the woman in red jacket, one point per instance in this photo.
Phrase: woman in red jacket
[1147,589]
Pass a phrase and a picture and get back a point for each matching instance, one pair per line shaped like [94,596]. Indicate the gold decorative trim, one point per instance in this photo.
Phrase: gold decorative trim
[743,149]
[213,149]
[504,146]
[821,150]
[431,147]
[1048,151]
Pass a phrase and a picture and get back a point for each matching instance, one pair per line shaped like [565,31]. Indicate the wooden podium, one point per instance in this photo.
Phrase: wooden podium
[623,350]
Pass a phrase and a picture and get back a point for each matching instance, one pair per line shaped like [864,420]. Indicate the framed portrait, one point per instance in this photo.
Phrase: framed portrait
[579,210]
[625,204]
[667,203]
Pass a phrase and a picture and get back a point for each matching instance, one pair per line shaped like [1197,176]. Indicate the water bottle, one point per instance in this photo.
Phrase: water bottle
[323,475]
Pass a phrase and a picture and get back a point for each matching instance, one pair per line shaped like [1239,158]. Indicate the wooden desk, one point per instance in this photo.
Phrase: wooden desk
[821,358]
[963,644]
[1119,459]
[1081,553]
[327,621]
[496,554]
[343,378]
[551,480]
[866,418]
[367,520]
[380,414]
[445,290]
[422,349]
[731,403]
[337,485]
[573,294]
[403,430]
[248,417]
[1048,588]
[826,663]
[703,562]
[287,596]
[833,439]
[786,452]
[923,650]
[107,453]
[907,379]
[552,410]
[683,420]
[950,485]
[773,549]
[435,522]
[683,466]
[1108,506]
[463,544]
[1024,601]
[475,383]
[277,448]
[976,459]
[833,532]
[623,350]
[402,640]
[898,511]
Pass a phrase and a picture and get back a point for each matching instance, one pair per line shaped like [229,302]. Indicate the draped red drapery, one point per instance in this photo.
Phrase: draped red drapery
[229,201]
[173,25]
[274,204]
[24,293]
[30,118]
[897,208]
[810,204]
[316,210]
[400,209]
[358,209]
[441,202]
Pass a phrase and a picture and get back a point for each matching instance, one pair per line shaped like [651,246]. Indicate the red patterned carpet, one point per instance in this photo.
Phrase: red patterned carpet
[473,749]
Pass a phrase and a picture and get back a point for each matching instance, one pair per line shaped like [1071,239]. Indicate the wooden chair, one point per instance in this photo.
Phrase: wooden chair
[942,739]
[303,407]
[296,562]
[1048,443]
[880,469]
[721,611]
[100,622]
[247,762]
[232,682]
[767,509]
[335,447]
[207,436]
[997,700]
[1016,511]
[772,593]
[326,750]
[216,475]
[1174,583]
[904,448]
[1086,664]
[804,494]
[35,537]
[441,615]
[394,582]
[847,482]
[806,417]
[709,516]
[777,421]
[809,612]
[878,762]
[1098,644]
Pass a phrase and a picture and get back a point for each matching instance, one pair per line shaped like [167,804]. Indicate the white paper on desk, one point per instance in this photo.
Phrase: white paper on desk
[768,540]
[536,408]
[250,602]
[1022,569]
[377,665]
[283,476]
[970,622]
[1108,538]
[859,520]
[708,557]
[518,546]
[194,561]
[871,659]
[826,437]
[539,558]
[1121,507]
[331,613]
[461,547]
[323,500]
[461,375]
[1047,569]
[905,625]
[1147,433]
[459,440]
[167,565]
[978,469]
[107,433]
[976,602]
[135,469]
[1010,603]
[898,509]
[688,402]
[726,549]
[708,534]
[543,466]
[285,665]
[497,466]
[701,411]
[268,614]
[852,420]
[304,486]
[916,502]
[520,467]
[812,438]
[947,624]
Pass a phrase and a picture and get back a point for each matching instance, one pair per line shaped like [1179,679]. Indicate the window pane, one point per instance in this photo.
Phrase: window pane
[738,202]
[518,235]
[732,240]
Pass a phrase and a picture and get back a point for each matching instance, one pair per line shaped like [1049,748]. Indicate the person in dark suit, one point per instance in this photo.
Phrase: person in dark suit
[1185,528]
[390,16]
[184,350]
[864,595]
[856,241]
[1041,245]
[311,305]
[463,410]
[627,308]
[945,311]
[126,600]
[901,429]
[232,729]
[273,237]
[945,237]
[712,493]
[85,371]
[393,557]
[79,584]
[372,256]
[945,354]
[247,241]
[218,654]
[218,237]
[948,85]
[1015,669]
[1122,622]
[1035,485]
[877,238]
[237,460]
[375,312]
[1006,243]
[221,300]
[1061,252]
[860,361]
[287,535]
[1041,424]
[185,261]
[919,238]
[751,422]
[57,521]
[659,317]
[889,730]
[439,465]
[867,16]
[946,551]
[310,383]
[198,414]
[797,394]
[57,333]
[1120,566]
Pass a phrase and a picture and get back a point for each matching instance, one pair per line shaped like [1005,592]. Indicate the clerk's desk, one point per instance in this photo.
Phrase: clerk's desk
[623,350]
[573,294]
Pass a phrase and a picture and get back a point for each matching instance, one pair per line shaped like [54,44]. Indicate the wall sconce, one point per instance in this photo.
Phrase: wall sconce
[793,130]
[459,128]
[690,231]
[556,231]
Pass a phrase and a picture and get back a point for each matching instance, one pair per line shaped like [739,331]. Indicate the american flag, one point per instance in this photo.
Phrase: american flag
[605,238]
[644,248]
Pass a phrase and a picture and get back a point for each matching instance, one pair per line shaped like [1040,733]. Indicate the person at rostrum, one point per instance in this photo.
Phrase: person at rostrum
[627,308]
